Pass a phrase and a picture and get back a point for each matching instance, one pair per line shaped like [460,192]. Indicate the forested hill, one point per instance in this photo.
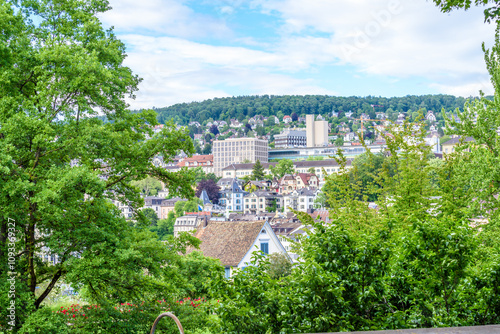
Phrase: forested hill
[242,107]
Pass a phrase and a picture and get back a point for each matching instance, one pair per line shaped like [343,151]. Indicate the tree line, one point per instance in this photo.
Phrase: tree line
[244,107]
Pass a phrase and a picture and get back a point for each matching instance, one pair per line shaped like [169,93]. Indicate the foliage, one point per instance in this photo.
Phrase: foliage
[246,106]
[257,171]
[365,168]
[490,14]
[127,317]
[164,227]
[283,167]
[187,206]
[481,166]
[250,301]
[61,166]
[212,189]
[214,130]
[45,321]
[200,175]
[279,265]
[148,186]
[151,216]
[198,272]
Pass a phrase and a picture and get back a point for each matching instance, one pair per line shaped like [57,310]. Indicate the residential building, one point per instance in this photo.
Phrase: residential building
[234,242]
[259,201]
[238,150]
[241,170]
[316,132]
[449,146]
[153,202]
[232,198]
[168,205]
[206,162]
[190,222]
[126,210]
[290,138]
[430,116]
[299,200]
[289,183]
[282,231]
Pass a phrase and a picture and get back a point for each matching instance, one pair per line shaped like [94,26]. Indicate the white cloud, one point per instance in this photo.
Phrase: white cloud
[165,17]
[388,37]
[175,70]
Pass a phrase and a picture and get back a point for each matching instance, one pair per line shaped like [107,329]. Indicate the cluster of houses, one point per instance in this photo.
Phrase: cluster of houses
[256,215]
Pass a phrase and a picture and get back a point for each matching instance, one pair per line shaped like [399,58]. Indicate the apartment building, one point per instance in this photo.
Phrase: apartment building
[259,201]
[238,150]
[330,166]
[290,138]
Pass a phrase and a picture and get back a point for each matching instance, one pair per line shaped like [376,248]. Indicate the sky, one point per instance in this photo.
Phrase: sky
[196,50]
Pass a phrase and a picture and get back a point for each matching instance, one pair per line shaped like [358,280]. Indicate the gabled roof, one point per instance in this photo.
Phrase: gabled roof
[200,159]
[457,140]
[204,197]
[228,241]
[306,177]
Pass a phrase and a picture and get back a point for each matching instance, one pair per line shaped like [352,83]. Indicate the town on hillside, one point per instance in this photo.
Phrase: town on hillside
[250,178]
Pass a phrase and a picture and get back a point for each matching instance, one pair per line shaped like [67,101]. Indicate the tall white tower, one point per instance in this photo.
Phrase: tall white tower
[310,137]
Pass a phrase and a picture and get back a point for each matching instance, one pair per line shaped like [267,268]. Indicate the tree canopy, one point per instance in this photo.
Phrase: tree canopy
[257,171]
[61,166]
[284,166]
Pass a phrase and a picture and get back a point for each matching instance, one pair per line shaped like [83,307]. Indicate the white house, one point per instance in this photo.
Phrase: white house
[234,242]
[232,197]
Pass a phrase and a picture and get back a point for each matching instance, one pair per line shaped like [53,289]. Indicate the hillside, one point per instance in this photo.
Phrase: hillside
[243,107]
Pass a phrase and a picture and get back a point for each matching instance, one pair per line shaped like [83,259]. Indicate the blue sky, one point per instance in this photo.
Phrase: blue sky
[195,50]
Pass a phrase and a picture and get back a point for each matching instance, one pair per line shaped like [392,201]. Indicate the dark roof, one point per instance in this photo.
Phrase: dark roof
[228,241]
[297,164]
[171,201]
[319,163]
[204,197]
[456,140]
[249,165]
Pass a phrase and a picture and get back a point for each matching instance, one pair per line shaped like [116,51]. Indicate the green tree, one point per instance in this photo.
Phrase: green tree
[279,265]
[60,165]
[150,216]
[491,13]
[339,141]
[165,227]
[283,167]
[148,186]
[257,171]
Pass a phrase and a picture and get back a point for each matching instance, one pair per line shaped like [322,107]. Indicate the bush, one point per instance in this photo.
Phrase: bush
[45,321]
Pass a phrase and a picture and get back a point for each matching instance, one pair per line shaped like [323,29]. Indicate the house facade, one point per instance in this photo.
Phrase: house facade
[299,200]
[258,201]
[232,198]
[234,242]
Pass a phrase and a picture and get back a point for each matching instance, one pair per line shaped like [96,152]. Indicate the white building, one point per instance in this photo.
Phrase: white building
[316,132]
[299,200]
[234,242]
[232,198]
[238,150]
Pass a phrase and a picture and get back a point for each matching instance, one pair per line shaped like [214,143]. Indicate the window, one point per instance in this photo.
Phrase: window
[227,273]
[264,247]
